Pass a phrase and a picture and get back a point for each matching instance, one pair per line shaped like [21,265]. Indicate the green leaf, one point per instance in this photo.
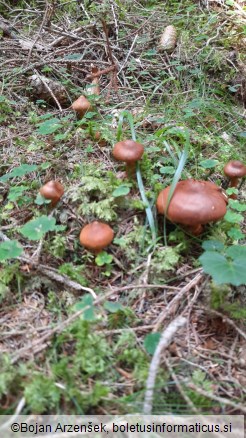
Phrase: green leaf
[233,217]
[122,190]
[212,245]
[103,258]
[167,170]
[40,200]
[49,126]
[88,314]
[45,116]
[36,229]
[180,68]
[236,205]
[112,307]
[236,251]
[242,134]
[10,250]
[45,165]
[151,341]
[19,171]
[223,270]
[235,234]
[73,56]
[15,192]
[231,191]
[208,164]
[234,89]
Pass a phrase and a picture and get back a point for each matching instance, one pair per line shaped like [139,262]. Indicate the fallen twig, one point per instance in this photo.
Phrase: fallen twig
[224,318]
[176,299]
[222,400]
[179,387]
[165,340]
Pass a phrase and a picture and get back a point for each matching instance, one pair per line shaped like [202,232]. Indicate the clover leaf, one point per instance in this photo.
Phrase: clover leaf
[36,229]
[10,249]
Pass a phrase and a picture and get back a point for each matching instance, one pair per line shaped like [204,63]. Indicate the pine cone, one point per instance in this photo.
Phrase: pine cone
[42,88]
[168,39]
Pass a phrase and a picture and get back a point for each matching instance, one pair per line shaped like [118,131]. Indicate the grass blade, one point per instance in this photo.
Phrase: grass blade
[176,177]
[149,214]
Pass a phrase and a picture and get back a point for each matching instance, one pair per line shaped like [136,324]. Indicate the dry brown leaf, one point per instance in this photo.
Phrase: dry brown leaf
[209,344]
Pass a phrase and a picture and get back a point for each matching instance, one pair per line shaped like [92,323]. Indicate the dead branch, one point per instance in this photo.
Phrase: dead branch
[165,340]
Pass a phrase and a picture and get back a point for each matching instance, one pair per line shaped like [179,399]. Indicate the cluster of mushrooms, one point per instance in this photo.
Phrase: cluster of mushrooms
[193,204]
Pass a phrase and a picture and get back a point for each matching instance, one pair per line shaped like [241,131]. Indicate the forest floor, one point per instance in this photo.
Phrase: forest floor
[79,331]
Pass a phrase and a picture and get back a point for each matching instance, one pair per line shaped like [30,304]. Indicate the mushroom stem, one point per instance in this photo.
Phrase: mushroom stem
[196,230]
[234,182]
[130,170]
[234,170]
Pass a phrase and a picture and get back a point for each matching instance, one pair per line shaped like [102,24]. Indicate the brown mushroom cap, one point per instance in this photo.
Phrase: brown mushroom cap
[52,190]
[128,151]
[235,169]
[81,105]
[193,203]
[96,236]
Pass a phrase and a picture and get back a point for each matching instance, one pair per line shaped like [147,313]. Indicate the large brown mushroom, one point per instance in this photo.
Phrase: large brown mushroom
[234,170]
[96,236]
[81,106]
[193,204]
[52,190]
[130,152]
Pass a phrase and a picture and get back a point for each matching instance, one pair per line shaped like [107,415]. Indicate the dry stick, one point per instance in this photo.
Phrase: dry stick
[144,280]
[65,280]
[128,54]
[105,29]
[39,32]
[141,328]
[232,353]
[52,273]
[176,299]
[14,417]
[222,400]
[115,23]
[61,326]
[101,72]
[110,56]
[225,318]
[179,387]
[165,340]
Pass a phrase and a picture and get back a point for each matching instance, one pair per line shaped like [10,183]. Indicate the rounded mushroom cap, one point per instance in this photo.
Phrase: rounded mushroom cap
[81,105]
[235,169]
[52,190]
[193,202]
[128,151]
[96,236]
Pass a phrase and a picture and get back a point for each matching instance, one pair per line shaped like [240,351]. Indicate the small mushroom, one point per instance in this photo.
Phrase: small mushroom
[81,106]
[130,152]
[193,204]
[96,236]
[99,139]
[234,170]
[52,190]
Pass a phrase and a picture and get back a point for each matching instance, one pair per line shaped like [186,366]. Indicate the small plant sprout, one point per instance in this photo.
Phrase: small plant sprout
[81,106]
[130,152]
[234,170]
[52,190]
[96,236]
[193,204]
